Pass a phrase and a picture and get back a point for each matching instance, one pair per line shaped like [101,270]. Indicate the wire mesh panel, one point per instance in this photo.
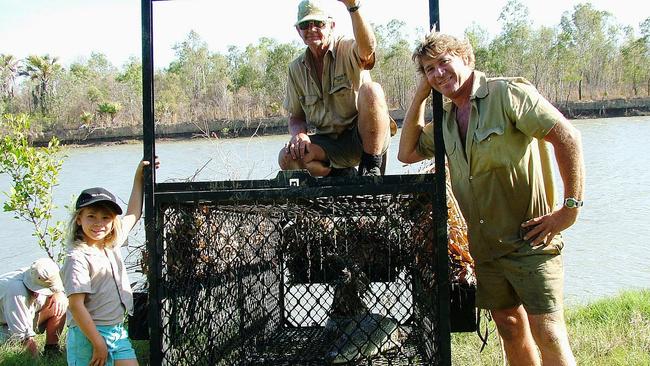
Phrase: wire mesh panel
[326,271]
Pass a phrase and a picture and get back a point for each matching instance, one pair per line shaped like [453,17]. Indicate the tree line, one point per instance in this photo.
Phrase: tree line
[586,56]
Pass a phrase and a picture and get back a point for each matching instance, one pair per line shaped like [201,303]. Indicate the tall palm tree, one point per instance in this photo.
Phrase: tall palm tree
[9,68]
[41,70]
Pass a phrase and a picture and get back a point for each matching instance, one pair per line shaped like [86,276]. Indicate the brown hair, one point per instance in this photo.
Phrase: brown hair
[436,44]
[75,232]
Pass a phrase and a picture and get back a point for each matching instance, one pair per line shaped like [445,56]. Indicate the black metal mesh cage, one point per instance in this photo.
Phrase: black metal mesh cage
[298,271]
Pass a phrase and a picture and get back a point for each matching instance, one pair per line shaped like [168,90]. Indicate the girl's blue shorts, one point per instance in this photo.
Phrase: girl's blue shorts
[80,350]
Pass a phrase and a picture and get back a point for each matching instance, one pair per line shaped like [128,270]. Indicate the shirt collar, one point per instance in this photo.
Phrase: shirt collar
[480,87]
[307,56]
[83,247]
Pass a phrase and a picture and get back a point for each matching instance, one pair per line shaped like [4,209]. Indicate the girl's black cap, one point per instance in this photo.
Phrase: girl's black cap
[94,195]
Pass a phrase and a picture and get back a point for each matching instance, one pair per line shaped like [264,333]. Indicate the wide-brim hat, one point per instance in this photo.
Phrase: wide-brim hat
[91,196]
[311,10]
[43,277]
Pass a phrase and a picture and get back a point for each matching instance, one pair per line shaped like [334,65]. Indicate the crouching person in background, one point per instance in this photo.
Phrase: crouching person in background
[32,301]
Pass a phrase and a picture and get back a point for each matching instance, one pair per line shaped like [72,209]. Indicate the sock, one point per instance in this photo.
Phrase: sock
[370,161]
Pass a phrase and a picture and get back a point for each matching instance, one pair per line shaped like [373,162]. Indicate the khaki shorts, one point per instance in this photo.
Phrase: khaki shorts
[533,280]
[344,150]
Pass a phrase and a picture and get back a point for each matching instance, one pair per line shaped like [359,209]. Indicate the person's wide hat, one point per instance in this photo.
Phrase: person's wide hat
[312,10]
[43,277]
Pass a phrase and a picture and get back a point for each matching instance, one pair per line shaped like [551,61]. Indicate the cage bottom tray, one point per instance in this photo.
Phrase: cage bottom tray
[307,347]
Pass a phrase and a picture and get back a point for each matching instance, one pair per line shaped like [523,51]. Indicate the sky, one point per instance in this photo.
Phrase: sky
[72,29]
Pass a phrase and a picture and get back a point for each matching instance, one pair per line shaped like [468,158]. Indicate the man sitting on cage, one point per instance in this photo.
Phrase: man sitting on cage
[330,90]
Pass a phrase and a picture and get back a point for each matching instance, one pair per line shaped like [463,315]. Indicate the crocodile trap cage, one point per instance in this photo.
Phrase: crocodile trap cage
[299,271]
[295,270]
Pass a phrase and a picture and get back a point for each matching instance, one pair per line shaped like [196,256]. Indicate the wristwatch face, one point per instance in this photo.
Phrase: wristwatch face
[572,203]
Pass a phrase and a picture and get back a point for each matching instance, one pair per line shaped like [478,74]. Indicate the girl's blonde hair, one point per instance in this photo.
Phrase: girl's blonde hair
[436,44]
[75,232]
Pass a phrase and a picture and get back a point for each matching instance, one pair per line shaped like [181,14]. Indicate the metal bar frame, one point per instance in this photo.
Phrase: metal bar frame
[154,244]
[149,137]
[441,202]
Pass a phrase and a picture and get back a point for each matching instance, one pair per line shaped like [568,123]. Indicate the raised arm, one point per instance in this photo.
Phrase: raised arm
[363,34]
[134,208]
[413,125]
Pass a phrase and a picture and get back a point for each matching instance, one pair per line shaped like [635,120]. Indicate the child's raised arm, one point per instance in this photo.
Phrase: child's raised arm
[134,208]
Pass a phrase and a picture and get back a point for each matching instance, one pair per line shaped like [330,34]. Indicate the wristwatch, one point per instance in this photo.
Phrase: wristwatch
[354,7]
[571,202]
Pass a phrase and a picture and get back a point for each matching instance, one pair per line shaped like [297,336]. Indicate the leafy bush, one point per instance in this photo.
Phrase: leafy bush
[34,173]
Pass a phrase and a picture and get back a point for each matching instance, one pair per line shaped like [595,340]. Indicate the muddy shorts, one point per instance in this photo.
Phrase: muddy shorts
[344,150]
[533,280]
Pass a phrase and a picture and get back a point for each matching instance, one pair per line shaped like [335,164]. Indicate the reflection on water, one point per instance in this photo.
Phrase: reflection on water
[606,250]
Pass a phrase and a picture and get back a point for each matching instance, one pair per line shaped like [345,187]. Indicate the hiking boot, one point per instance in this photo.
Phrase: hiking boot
[370,165]
[372,172]
[343,172]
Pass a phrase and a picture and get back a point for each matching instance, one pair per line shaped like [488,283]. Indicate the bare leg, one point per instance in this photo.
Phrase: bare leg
[504,358]
[373,117]
[314,161]
[549,331]
[517,339]
[130,362]
[53,324]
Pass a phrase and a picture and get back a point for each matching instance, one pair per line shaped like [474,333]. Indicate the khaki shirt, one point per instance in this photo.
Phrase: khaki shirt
[101,275]
[329,107]
[18,305]
[503,175]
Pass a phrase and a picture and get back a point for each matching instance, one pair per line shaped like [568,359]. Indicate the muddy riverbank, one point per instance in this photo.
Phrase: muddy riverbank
[278,125]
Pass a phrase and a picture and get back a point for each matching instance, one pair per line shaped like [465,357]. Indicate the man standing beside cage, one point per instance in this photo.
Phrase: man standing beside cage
[330,90]
[495,132]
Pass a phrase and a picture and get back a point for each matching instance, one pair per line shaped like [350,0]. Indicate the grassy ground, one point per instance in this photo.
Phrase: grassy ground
[610,332]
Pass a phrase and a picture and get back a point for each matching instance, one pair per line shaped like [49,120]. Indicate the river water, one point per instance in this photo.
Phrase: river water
[606,251]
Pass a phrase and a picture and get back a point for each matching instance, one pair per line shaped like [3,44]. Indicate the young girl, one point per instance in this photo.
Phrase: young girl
[95,278]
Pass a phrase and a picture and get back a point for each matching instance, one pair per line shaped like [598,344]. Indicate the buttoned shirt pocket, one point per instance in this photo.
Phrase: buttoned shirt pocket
[490,150]
[487,132]
[341,88]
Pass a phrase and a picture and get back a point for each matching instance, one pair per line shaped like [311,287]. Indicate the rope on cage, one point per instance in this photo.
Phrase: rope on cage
[484,336]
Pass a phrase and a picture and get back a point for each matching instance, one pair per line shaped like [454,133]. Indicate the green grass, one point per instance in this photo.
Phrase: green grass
[13,355]
[609,332]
